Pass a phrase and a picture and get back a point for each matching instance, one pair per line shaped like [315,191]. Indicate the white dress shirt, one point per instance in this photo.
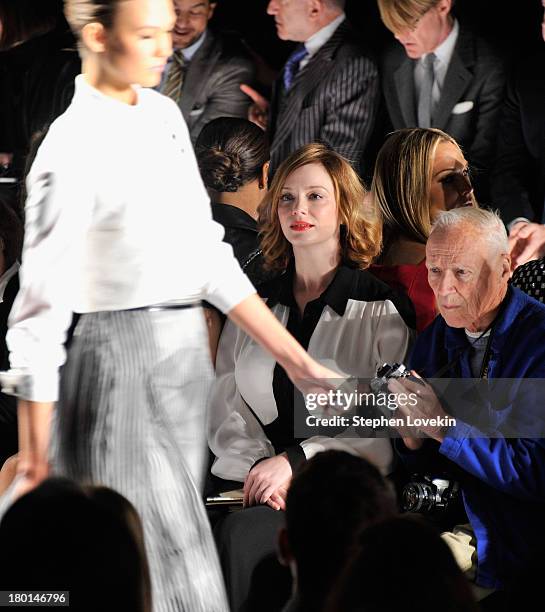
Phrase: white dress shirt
[443,55]
[190,51]
[117,217]
[318,40]
[358,330]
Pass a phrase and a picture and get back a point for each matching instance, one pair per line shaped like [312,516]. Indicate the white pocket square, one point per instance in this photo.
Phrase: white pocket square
[199,111]
[463,107]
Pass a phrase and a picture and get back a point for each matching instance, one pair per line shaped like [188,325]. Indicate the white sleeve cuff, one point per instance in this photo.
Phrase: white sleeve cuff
[232,291]
[30,387]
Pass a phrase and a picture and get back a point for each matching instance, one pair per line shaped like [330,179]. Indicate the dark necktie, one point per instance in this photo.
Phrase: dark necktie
[292,65]
[175,76]
[425,99]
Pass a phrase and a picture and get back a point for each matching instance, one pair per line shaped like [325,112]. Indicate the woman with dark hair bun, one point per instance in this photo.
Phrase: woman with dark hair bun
[233,156]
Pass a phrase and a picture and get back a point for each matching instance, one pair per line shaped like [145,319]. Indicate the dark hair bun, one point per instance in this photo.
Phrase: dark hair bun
[231,153]
[220,171]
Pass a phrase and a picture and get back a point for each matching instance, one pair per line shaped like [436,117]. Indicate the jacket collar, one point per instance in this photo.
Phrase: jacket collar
[336,296]
[233,217]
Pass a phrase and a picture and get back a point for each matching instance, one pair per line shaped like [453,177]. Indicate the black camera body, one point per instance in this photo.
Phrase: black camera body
[387,371]
[426,495]
[379,385]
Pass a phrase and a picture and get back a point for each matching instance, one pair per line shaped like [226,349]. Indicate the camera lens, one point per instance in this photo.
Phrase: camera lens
[418,497]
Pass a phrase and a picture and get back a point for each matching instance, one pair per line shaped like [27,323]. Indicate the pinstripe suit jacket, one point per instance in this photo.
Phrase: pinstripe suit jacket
[334,99]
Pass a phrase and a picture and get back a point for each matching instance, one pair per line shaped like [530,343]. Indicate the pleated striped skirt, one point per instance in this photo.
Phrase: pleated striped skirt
[132,416]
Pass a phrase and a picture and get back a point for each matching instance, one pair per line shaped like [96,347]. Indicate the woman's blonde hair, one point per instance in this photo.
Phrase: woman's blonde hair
[360,229]
[398,15]
[402,181]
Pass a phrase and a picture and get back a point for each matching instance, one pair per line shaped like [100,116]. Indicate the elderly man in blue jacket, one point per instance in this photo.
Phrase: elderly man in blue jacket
[486,330]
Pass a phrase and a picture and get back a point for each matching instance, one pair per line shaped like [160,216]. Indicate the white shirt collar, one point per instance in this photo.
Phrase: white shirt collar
[444,51]
[190,51]
[6,277]
[319,39]
[480,334]
[86,92]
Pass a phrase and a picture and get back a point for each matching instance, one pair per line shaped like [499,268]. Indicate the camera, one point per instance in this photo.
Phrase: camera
[427,495]
[379,384]
[385,404]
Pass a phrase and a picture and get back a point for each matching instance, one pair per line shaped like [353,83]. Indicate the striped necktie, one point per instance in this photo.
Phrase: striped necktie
[425,101]
[292,65]
[175,76]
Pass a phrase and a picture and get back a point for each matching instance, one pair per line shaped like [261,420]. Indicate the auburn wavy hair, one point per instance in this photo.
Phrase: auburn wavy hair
[361,234]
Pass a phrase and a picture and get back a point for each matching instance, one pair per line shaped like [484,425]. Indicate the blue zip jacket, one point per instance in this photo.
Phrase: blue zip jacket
[504,491]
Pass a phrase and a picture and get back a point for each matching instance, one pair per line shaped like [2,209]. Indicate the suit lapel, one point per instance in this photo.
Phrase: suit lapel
[195,79]
[305,81]
[404,84]
[458,77]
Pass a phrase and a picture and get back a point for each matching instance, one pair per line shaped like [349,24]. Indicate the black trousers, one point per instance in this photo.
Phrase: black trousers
[247,546]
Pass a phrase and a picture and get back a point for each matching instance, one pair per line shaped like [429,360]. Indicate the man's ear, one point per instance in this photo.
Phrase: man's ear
[444,7]
[285,555]
[316,7]
[212,9]
[506,266]
[93,36]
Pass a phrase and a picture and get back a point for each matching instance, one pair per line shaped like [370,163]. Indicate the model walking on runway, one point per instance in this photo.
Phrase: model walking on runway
[119,230]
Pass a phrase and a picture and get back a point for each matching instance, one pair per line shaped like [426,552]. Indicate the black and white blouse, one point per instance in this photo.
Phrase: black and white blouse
[356,325]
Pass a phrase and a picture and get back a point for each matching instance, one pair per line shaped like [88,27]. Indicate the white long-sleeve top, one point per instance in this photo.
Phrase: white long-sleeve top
[356,327]
[117,217]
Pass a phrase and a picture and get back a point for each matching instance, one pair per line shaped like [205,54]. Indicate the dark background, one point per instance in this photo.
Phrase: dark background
[513,26]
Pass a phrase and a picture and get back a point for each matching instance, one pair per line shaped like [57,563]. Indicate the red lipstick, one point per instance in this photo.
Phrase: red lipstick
[300,226]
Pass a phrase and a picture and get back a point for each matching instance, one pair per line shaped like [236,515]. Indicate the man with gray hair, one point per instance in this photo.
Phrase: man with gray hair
[328,90]
[485,330]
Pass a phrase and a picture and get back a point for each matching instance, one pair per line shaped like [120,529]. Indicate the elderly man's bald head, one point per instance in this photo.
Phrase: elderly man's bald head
[468,263]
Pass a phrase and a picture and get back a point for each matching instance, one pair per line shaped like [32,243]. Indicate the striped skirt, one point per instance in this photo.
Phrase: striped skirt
[132,416]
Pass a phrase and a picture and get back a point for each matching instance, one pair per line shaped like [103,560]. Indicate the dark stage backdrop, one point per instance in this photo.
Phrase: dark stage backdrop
[513,25]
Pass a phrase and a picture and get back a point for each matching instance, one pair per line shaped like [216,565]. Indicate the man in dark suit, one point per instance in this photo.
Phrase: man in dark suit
[518,180]
[443,76]
[206,69]
[328,90]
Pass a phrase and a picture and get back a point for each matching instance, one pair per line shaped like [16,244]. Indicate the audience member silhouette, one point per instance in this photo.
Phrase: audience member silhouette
[402,564]
[86,540]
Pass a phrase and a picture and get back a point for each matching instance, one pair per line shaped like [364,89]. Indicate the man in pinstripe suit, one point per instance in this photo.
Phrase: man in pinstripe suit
[328,90]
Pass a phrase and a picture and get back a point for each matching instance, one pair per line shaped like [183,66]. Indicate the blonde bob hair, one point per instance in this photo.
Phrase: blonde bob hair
[402,182]
[360,231]
[398,15]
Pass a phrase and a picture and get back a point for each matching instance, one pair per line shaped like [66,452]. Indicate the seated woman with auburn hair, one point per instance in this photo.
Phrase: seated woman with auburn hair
[314,229]
[418,173]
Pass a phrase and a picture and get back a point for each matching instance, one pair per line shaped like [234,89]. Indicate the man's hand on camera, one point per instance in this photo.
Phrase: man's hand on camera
[426,407]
